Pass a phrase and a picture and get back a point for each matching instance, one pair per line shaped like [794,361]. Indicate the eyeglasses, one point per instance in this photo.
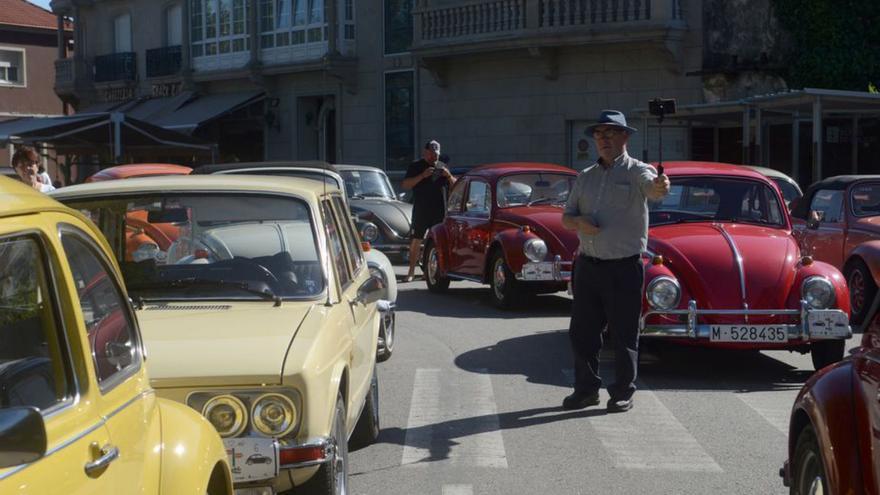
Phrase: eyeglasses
[607,133]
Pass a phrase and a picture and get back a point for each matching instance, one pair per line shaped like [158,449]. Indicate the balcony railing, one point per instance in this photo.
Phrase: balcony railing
[165,61]
[65,72]
[478,20]
[116,67]
[69,74]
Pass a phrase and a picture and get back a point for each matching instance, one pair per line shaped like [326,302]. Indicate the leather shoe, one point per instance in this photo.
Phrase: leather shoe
[620,405]
[580,400]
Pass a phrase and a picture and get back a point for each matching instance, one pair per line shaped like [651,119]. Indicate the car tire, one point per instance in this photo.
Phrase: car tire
[862,289]
[431,268]
[332,477]
[367,429]
[808,469]
[825,352]
[505,293]
[386,334]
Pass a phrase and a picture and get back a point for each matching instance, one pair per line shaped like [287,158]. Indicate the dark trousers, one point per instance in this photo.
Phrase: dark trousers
[606,292]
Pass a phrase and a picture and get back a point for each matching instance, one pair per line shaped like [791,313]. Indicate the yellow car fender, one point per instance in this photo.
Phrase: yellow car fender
[196,463]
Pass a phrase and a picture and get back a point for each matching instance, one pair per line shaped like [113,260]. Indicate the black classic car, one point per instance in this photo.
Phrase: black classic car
[384,220]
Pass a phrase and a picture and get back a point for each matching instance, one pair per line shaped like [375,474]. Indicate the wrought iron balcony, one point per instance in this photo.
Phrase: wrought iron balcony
[116,67]
[165,61]
[481,25]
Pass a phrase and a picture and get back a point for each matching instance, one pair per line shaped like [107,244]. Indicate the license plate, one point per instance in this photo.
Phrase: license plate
[252,459]
[749,333]
[828,324]
[262,490]
[538,271]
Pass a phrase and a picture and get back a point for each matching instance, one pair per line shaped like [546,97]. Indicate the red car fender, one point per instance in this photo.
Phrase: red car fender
[438,236]
[653,271]
[511,241]
[869,252]
[822,269]
[826,402]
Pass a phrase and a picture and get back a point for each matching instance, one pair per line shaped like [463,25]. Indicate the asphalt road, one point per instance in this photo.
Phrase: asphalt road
[470,403]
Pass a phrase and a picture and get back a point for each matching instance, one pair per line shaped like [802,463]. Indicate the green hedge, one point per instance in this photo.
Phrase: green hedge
[836,44]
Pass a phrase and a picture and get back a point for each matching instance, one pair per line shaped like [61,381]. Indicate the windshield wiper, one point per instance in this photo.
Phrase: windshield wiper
[540,200]
[266,293]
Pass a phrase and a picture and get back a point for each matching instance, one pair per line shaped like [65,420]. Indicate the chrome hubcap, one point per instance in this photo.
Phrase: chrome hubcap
[432,266]
[500,278]
[389,331]
[816,487]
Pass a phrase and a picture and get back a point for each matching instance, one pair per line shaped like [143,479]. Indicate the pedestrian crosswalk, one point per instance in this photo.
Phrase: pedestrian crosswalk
[453,419]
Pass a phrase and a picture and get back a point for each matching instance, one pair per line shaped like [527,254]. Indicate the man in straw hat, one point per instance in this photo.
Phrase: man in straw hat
[608,208]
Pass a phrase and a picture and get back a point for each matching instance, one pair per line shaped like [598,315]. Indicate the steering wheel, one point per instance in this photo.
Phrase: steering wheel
[251,263]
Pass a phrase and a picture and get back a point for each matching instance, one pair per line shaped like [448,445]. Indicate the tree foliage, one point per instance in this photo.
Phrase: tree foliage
[835,43]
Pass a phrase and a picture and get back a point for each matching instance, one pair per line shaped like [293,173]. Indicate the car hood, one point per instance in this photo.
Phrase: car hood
[868,223]
[397,214]
[218,343]
[546,221]
[701,256]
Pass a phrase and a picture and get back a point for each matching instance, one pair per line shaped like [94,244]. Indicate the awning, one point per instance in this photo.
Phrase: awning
[206,108]
[115,130]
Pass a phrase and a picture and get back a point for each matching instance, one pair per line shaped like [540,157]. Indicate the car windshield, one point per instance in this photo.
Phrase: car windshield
[866,199]
[211,246]
[789,191]
[366,184]
[533,188]
[717,199]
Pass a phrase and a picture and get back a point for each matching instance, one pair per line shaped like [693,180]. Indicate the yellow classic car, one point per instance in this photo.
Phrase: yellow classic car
[258,310]
[77,414]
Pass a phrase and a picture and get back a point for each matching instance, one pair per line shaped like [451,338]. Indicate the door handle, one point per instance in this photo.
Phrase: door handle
[105,455]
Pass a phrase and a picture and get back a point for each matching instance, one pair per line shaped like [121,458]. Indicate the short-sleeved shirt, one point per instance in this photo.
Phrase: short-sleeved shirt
[616,201]
[429,195]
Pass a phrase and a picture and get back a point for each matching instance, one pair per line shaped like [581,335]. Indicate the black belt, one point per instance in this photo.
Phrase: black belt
[590,259]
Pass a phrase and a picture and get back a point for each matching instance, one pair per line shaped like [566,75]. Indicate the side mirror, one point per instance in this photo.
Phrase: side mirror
[22,436]
[814,219]
[371,291]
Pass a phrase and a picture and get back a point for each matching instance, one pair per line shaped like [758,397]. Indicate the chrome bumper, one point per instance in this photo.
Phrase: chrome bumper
[545,271]
[317,451]
[393,248]
[695,330]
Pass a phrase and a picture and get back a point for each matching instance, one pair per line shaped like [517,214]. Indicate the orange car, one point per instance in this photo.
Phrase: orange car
[139,170]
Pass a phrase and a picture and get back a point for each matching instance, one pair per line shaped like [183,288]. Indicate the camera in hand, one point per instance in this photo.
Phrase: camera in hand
[438,172]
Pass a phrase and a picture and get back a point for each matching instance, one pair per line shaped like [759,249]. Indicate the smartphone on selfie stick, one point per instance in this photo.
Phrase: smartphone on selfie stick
[661,107]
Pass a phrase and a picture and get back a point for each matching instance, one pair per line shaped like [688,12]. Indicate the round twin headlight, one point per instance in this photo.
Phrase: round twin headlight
[663,293]
[369,232]
[535,249]
[818,292]
[273,415]
[227,413]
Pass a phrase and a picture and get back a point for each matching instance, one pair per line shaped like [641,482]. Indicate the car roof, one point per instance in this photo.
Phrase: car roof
[222,167]
[17,198]
[840,182]
[772,172]
[499,169]
[340,166]
[139,169]
[190,183]
[710,168]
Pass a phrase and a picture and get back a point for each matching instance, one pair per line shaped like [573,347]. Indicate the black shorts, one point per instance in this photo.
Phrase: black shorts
[420,226]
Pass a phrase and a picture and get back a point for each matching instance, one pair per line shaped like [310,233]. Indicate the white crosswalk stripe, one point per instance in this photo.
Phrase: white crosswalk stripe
[649,437]
[774,406]
[453,417]
[458,490]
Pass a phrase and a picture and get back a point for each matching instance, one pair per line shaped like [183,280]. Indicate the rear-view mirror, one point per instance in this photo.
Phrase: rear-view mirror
[22,436]
[168,215]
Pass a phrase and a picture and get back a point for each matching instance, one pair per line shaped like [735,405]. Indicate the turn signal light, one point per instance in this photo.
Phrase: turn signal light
[526,229]
[807,260]
[657,260]
[365,246]
[301,454]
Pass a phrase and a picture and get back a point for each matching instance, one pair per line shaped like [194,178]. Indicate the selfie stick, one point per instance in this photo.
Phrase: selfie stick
[661,114]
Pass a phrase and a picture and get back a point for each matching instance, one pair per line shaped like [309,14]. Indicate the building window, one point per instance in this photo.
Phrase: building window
[174,25]
[399,119]
[122,33]
[291,22]
[348,20]
[218,27]
[398,26]
[12,67]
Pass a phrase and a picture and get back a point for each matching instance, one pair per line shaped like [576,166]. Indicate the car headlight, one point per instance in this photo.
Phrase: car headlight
[663,293]
[227,413]
[146,251]
[535,249]
[369,232]
[273,415]
[818,292]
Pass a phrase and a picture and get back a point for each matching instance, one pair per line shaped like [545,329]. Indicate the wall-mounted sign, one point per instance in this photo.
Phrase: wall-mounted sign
[118,94]
[166,89]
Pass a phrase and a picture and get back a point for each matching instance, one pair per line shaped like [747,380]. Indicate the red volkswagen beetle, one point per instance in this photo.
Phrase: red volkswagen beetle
[836,221]
[723,269]
[504,227]
[834,431]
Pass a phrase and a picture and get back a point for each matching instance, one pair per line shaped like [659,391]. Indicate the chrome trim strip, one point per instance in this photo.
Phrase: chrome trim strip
[469,278]
[739,262]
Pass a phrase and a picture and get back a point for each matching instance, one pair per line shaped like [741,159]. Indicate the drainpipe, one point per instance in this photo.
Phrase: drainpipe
[817,139]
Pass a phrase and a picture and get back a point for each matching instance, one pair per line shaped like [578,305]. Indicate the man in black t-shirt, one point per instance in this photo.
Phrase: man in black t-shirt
[430,180]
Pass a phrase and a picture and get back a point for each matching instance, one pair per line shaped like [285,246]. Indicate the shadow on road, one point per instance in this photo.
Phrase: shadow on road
[439,438]
[473,302]
[545,358]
